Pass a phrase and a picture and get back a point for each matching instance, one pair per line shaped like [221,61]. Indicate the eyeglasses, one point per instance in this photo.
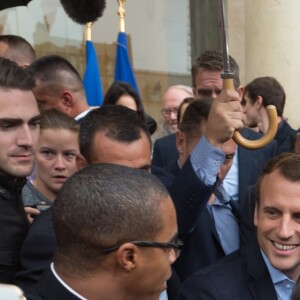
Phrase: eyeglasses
[176,246]
[166,112]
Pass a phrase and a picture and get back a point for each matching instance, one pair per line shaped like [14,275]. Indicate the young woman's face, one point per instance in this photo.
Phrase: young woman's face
[55,159]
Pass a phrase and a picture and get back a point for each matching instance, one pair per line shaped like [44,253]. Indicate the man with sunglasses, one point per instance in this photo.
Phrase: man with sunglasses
[99,257]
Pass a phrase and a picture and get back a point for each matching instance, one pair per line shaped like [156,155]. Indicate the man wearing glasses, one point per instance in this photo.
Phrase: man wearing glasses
[164,149]
[172,98]
[99,257]
[111,134]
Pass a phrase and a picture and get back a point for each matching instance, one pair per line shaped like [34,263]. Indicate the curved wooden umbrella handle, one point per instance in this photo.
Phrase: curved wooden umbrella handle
[264,140]
[269,135]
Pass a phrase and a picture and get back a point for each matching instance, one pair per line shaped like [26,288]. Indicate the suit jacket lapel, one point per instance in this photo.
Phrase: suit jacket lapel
[260,283]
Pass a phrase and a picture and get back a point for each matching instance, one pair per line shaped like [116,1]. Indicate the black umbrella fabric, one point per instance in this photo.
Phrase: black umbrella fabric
[12,3]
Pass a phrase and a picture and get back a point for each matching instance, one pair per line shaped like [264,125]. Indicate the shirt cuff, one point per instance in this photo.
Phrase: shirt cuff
[206,161]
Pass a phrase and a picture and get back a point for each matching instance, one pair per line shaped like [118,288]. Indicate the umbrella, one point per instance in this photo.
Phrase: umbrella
[227,77]
[12,3]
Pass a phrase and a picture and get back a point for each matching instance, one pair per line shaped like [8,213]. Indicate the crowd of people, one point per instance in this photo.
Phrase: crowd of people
[89,211]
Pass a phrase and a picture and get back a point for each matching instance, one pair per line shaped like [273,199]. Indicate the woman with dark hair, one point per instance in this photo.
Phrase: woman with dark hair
[122,93]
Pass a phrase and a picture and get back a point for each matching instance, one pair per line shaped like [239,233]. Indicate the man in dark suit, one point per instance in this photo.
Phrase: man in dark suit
[247,164]
[215,231]
[260,93]
[116,235]
[269,266]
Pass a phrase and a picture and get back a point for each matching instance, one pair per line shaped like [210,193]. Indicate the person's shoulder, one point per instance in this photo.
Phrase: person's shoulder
[165,176]
[253,135]
[166,139]
[218,281]
[224,266]
[43,220]
[28,194]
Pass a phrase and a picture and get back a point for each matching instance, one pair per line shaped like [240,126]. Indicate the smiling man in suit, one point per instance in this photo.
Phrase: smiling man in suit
[269,266]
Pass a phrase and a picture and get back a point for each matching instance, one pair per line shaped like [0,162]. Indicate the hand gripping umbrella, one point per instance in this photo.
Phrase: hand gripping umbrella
[227,77]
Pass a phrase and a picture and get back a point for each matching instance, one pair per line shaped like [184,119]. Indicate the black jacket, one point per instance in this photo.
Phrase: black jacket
[242,275]
[285,137]
[14,226]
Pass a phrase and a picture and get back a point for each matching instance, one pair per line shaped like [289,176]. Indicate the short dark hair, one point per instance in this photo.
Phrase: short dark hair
[54,71]
[212,60]
[12,76]
[288,165]
[185,101]
[119,89]
[270,90]
[195,114]
[55,119]
[19,50]
[103,205]
[118,122]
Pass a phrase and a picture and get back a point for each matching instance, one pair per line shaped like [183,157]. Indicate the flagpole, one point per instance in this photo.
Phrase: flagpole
[88,31]
[121,13]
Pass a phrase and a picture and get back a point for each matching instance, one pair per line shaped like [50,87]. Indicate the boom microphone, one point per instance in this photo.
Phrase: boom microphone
[84,11]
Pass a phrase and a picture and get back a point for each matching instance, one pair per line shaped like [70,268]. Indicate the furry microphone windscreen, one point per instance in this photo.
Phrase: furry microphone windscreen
[84,11]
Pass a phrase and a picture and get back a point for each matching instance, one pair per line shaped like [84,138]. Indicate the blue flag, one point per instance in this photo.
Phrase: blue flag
[92,77]
[123,70]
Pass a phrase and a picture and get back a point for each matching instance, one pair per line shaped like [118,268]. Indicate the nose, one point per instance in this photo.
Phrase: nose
[25,138]
[285,229]
[59,163]
[173,115]
[214,95]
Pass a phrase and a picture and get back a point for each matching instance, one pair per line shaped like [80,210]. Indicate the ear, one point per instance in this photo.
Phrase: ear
[67,99]
[241,91]
[180,142]
[127,256]
[259,102]
[80,161]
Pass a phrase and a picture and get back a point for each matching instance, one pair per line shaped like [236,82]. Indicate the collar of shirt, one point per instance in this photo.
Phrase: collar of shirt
[64,284]
[283,285]
[83,114]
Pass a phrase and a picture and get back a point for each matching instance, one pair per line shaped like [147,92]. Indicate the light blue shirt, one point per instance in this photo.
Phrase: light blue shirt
[226,223]
[206,161]
[231,180]
[163,295]
[283,285]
